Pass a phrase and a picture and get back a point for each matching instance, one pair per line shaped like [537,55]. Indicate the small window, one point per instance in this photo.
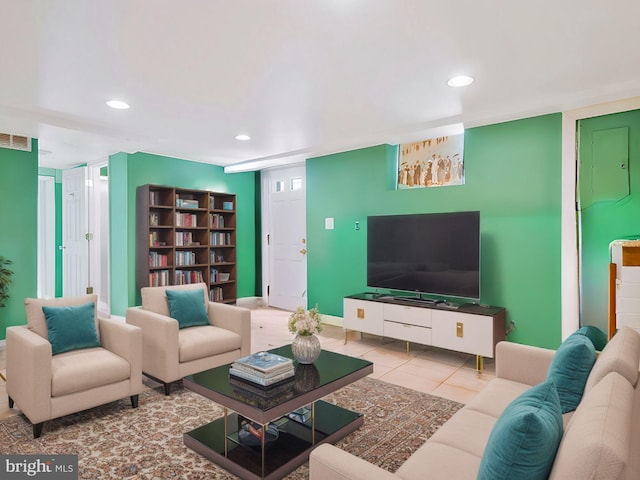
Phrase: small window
[296,183]
[278,186]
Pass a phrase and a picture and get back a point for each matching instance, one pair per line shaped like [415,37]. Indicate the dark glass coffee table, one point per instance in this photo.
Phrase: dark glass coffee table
[221,443]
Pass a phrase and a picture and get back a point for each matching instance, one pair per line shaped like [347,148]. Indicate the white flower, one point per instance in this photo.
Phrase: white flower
[305,323]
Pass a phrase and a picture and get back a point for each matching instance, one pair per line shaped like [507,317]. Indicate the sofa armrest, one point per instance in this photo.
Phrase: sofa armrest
[126,342]
[328,462]
[522,363]
[159,343]
[235,319]
[29,372]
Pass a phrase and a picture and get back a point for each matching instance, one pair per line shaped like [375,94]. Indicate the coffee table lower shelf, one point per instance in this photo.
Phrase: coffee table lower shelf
[289,451]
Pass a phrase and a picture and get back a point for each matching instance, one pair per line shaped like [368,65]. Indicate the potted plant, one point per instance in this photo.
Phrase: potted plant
[5,280]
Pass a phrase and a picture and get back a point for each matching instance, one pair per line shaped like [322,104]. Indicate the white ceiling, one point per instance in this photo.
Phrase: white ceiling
[302,77]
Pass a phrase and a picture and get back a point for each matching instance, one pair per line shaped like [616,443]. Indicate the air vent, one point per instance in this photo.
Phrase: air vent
[16,142]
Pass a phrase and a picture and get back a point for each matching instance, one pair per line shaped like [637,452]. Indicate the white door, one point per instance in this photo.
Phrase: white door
[285,235]
[75,257]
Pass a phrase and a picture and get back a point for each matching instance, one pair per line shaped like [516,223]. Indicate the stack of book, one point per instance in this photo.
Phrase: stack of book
[263,368]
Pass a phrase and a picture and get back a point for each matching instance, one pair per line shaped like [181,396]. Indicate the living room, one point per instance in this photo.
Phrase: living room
[520,173]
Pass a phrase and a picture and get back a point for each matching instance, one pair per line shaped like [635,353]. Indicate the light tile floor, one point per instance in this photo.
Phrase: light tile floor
[431,370]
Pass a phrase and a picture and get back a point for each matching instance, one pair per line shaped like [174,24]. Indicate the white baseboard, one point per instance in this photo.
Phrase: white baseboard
[249,302]
[332,320]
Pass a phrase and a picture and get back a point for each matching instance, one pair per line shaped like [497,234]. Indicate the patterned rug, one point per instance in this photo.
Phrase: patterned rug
[116,441]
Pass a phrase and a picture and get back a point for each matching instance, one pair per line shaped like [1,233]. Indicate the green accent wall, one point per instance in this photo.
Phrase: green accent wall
[18,218]
[128,171]
[512,176]
[605,221]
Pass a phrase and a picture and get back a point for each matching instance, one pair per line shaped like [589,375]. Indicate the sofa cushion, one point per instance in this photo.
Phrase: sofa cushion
[525,438]
[468,430]
[596,443]
[597,336]
[187,307]
[570,369]
[201,342]
[81,370]
[435,460]
[71,327]
[35,316]
[494,398]
[622,355]
[154,299]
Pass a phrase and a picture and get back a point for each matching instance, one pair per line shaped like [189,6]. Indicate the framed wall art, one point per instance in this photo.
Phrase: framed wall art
[435,162]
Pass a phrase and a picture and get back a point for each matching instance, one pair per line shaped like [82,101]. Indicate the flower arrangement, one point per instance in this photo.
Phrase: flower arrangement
[305,323]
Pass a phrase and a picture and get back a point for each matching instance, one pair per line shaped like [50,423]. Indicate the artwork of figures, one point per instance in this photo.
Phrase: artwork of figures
[436,162]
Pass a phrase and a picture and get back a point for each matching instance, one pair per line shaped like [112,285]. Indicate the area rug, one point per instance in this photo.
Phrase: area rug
[116,441]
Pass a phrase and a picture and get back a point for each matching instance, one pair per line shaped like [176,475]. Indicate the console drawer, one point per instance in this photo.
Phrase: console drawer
[420,317]
[463,332]
[410,333]
[363,316]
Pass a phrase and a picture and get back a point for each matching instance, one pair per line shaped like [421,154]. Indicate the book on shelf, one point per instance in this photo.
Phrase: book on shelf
[159,278]
[216,220]
[186,202]
[261,379]
[216,294]
[186,220]
[157,259]
[186,258]
[184,277]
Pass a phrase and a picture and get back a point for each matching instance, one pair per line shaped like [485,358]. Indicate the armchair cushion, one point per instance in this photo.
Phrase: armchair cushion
[201,342]
[35,316]
[71,327]
[154,299]
[81,370]
[187,307]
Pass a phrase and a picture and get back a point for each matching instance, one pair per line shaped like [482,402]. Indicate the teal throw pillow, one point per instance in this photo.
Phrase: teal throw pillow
[570,369]
[524,441]
[597,336]
[187,307]
[71,327]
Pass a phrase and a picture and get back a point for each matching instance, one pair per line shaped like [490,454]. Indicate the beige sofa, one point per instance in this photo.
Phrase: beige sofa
[601,438]
[170,353]
[46,386]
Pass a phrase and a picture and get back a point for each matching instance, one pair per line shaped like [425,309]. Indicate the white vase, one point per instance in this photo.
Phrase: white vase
[305,348]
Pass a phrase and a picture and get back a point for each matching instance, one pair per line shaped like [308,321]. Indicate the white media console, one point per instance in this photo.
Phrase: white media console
[469,328]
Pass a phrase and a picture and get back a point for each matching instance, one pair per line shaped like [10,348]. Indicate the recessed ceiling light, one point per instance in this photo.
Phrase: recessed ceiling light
[243,137]
[118,104]
[460,81]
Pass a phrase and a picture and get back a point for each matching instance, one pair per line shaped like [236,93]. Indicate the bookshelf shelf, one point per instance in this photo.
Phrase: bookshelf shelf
[186,236]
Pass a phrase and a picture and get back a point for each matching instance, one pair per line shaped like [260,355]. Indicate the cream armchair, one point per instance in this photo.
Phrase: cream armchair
[170,352]
[47,385]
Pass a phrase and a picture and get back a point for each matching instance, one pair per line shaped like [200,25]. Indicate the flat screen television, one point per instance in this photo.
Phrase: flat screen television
[434,253]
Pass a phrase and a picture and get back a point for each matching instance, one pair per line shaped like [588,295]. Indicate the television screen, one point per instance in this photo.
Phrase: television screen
[435,253]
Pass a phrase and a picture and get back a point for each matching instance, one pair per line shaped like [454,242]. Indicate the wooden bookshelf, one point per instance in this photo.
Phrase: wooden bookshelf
[186,236]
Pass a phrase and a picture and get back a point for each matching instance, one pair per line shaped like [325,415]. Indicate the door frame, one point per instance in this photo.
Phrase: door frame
[99,279]
[570,269]
[46,237]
